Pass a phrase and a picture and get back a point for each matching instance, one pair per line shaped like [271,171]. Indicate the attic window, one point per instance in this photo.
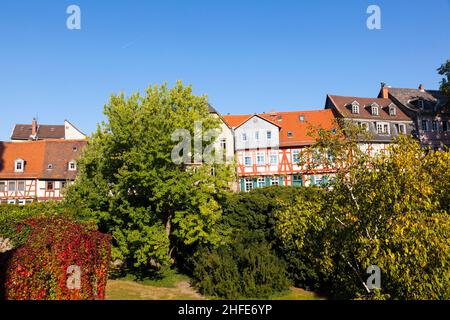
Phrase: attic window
[375,109]
[289,134]
[52,129]
[355,107]
[302,118]
[72,166]
[74,149]
[19,165]
[420,103]
[279,118]
[392,111]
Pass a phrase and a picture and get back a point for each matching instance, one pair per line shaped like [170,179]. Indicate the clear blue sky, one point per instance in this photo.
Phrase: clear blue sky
[248,56]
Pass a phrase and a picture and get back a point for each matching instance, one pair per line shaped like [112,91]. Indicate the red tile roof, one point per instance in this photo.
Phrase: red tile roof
[38,155]
[290,122]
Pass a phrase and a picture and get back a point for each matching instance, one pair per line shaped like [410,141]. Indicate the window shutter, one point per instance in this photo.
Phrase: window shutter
[255,183]
[313,180]
[242,184]
[281,181]
[267,179]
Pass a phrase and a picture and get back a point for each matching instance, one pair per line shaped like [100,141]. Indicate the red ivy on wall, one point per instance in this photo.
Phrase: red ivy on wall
[38,270]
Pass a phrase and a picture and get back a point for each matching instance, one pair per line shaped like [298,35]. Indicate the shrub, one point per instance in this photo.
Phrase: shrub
[243,269]
[12,215]
[39,269]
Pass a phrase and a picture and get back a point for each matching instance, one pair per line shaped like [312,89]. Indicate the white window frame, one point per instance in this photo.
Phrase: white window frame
[5,186]
[21,202]
[11,201]
[74,166]
[375,111]
[402,128]
[261,182]
[355,108]
[273,155]
[425,122]
[383,125]
[20,182]
[244,136]
[294,153]
[20,162]
[274,181]
[245,160]
[15,185]
[248,184]
[269,134]
[392,111]
[256,135]
[258,158]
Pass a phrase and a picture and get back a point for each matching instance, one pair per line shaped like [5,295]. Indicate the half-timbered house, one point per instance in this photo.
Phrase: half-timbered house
[269,147]
[37,170]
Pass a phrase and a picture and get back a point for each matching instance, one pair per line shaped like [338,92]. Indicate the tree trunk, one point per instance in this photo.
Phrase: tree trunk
[169,236]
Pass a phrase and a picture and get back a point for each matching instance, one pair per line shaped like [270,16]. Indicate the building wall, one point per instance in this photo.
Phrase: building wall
[251,128]
[72,133]
[35,190]
[262,170]
[226,134]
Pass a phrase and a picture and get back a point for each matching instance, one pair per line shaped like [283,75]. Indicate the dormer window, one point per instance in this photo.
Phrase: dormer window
[19,165]
[420,103]
[302,118]
[374,109]
[72,166]
[289,134]
[50,166]
[392,110]
[355,107]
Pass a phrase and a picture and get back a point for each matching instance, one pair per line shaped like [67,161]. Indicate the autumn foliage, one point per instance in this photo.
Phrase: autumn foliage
[39,269]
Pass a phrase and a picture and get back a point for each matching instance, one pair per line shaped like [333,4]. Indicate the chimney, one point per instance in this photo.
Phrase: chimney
[421,88]
[34,128]
[384,91]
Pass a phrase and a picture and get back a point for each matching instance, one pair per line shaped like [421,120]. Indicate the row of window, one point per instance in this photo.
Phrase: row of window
[13,185]
[248,184]
[19,165]
[374,109]
[384,128]
[261,159]
[257,135]
[273,158]
[17,201]
[435,125]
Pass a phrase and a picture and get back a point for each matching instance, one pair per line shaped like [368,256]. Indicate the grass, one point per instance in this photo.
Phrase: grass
[175,286]
[169,280]
[297,294]
[129,290]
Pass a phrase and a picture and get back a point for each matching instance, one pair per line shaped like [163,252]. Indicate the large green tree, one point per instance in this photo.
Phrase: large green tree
[130,184]
[390,210]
